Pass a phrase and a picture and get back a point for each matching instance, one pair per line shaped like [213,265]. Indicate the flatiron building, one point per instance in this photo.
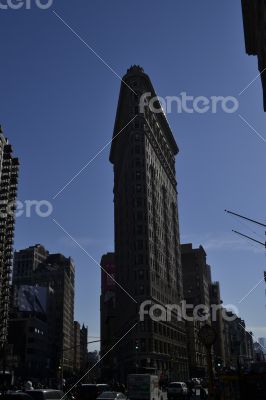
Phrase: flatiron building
[147,244]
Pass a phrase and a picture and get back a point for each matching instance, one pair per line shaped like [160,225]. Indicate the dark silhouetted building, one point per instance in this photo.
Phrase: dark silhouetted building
[8,192]
[196,284]
[254,18]
[196,275]
[83,347]
[239,349]
[259,352]
[80,348]
[108,313]
[37,272]
[76,347]
[147,245]
[31,346]
[218,325]
[262,342]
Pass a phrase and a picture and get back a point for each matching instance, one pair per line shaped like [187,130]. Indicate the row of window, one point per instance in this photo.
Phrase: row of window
[149,346]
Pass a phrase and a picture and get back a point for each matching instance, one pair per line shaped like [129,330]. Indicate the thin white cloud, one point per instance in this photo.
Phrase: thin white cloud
[223,241]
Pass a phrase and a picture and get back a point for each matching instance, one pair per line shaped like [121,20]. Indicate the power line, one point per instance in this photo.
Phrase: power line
[246,218]
[250,238]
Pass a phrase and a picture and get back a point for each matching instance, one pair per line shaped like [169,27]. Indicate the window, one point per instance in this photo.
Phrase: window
[140,244]
[141,273]
[139,229]
[139,202]
[140,259]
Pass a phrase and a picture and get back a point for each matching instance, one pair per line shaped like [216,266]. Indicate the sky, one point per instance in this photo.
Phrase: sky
[59,82]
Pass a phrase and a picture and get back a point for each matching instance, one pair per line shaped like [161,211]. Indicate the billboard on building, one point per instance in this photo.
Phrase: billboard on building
[108,277]
[108,282]
[31,299]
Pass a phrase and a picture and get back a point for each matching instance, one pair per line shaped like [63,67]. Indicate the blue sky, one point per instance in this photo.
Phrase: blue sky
[58,104]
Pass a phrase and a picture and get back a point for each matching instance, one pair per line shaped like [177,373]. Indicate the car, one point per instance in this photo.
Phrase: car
[176,390]
[103,387]
[111,396]
[205,382]
[45,394]
[87,391]
[16,396]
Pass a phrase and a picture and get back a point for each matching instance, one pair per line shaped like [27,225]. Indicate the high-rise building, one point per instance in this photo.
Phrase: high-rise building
[8,191]
[27,261]
[196,284]
[34,267]
[239,351]
[259,355]
[218,325]
[31,349]
[196,275]
[80,348]
[254,18]
[147,245]
[109,310]
[83,347]
[262,342]
[76,347]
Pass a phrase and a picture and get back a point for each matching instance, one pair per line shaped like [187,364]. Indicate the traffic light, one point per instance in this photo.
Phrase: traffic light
[136,345]
[218,364]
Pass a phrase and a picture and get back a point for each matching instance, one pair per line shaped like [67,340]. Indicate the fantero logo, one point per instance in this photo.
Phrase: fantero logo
[26,4]
[188,104]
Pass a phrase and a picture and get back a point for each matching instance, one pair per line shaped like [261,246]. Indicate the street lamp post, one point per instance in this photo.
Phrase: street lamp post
[137,349]
[207,336]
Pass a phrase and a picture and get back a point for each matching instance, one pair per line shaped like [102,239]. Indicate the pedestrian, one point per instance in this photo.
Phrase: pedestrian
[203,394]
[28,386]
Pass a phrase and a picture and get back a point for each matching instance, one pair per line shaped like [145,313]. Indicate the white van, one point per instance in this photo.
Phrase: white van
[177,390]
[143,387]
